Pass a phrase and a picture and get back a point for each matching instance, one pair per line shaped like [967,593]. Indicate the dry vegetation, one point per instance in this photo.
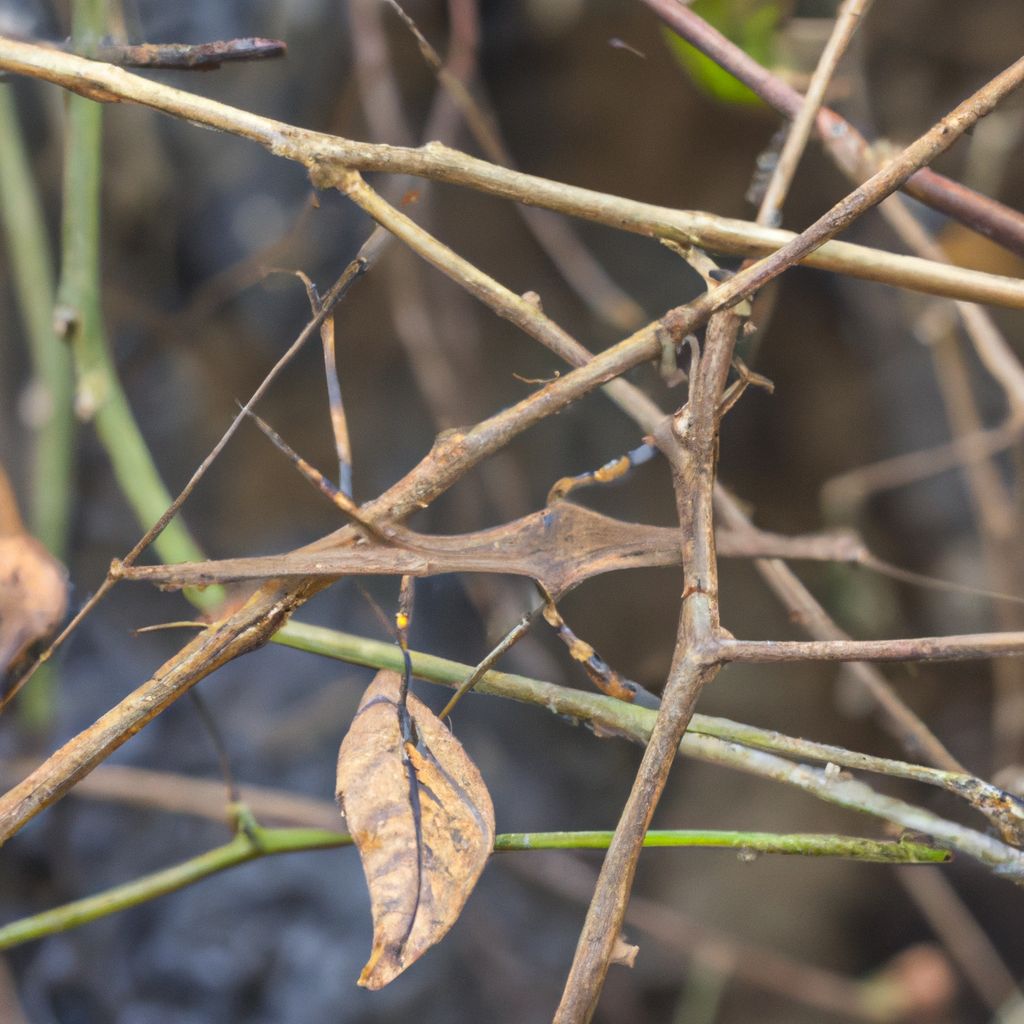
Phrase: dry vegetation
[756,396]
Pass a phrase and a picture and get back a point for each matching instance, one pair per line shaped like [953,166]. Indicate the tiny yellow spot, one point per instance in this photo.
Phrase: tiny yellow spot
[581,650]
[402,620]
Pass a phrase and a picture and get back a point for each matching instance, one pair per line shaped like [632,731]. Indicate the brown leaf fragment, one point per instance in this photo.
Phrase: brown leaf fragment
[33,597]
[33,592]
[421,818]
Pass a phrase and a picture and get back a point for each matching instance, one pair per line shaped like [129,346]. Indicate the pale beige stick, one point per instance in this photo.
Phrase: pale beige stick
[325,155]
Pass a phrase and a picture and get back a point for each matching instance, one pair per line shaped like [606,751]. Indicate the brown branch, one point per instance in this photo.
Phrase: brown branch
[324,155]
[199,797]
[191,56]
[847,490]
[179,56]
[966,647]
[847,21]
[690,444]
[560,547]
[802,606]
[453,454]
[980,213]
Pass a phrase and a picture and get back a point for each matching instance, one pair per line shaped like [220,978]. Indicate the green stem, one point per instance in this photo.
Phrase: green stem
[148,887]
[802,844]
[360,650]
[762,752]
[99,392]
[260,842]
[31,262]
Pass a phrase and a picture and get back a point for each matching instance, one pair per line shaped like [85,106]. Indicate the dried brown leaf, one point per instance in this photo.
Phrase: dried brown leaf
[33,597]
[421,818]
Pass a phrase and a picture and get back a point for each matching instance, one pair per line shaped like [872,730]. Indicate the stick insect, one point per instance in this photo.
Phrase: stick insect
[558,547]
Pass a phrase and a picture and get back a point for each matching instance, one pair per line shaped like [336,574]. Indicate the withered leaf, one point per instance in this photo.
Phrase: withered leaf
[33,597]
[421,818]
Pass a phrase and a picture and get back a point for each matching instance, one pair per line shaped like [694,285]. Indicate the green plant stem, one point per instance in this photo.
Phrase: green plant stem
[255,843]
[241,849]
[377,654]
[803,844]
[99,392]
[718,741]
[31,260]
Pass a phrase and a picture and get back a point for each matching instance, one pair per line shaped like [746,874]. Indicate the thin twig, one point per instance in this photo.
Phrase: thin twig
[965,647]
[691,447]
[266,842]
[1001,223]
[339,422]
[845,491]
[191,56]
[847,21]
[176,56]
[325,155]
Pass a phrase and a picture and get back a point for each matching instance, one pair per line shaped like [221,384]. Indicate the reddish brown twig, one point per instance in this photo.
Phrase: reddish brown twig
[690,445]
[980,213]
[191,56]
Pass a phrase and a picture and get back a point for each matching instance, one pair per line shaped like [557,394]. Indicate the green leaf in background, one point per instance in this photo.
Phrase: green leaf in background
[750,24]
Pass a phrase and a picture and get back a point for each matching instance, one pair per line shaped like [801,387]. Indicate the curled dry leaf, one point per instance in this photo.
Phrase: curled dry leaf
[421,818]
[33,597]
[33,586]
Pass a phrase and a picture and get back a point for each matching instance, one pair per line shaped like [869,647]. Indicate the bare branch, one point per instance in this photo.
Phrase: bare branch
[924,648]
[691,447]
[982,214]
[325,155]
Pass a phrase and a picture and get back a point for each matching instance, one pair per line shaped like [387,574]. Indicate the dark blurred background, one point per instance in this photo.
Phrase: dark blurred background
[190,220]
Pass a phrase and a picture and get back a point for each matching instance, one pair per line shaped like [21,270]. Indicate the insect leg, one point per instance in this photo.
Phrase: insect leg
[606,474]
[337,498]
[509,640]
[601,674]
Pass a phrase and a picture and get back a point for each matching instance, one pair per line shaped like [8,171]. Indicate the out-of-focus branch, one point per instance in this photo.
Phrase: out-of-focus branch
[99,395]
[1000,223]
[573,260]
[326,155]
[191,56]
[847,21]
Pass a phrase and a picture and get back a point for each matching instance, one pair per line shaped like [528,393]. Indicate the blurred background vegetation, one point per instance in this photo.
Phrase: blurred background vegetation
[194,221]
